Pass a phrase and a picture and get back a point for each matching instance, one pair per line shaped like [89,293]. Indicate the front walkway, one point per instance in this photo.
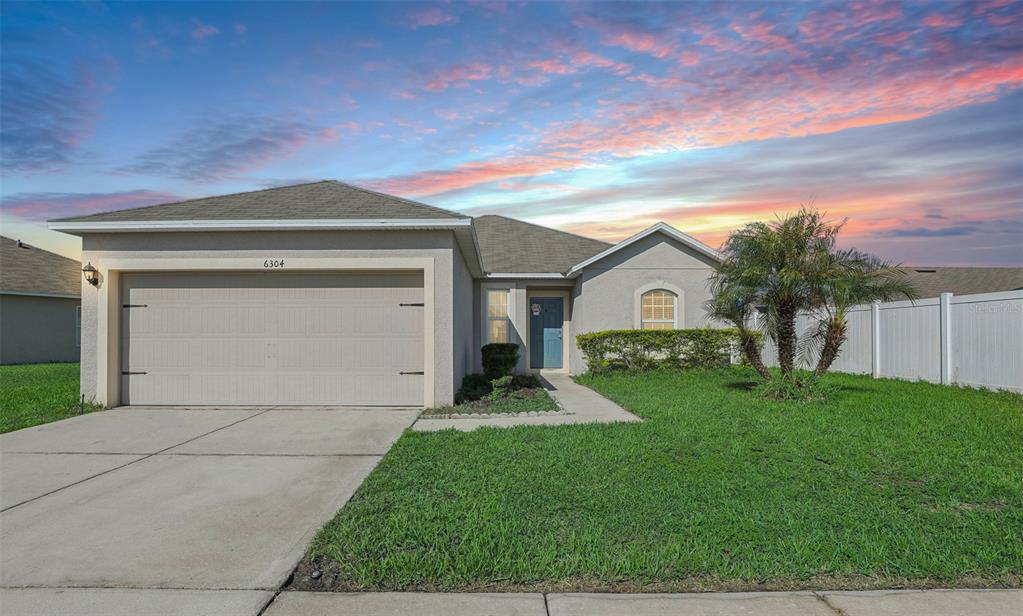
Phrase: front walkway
[827,603]
[579,405]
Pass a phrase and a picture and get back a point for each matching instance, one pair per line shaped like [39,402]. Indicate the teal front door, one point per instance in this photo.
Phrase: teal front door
[546,319]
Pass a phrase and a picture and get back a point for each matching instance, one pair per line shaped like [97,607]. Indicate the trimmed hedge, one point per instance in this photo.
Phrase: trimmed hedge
[499,359]
[641,349]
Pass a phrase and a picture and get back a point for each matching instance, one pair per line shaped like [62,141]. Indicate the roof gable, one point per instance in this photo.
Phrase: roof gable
[326,200]
[36,271]
[660,227]
[516,247]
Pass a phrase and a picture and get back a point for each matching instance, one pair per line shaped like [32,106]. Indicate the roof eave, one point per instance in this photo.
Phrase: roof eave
[660,227]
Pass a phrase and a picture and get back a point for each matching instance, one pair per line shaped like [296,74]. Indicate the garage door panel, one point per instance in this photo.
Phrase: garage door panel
[273,338]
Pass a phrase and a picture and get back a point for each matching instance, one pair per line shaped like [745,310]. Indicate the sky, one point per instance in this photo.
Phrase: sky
[596,118]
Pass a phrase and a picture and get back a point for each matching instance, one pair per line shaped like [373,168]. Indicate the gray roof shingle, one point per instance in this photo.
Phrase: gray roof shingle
[34,270]
[512,246]
[324,200]
[933,281]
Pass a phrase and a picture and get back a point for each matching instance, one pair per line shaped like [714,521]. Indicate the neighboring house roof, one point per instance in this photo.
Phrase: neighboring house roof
[660,227]
[514,247]
[326,200]
[34,271]
[933,281]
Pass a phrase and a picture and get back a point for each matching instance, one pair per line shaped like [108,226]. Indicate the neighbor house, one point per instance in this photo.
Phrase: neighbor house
[330,294]
[39,303]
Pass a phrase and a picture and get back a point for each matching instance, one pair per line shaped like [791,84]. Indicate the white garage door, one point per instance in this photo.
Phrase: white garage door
[272,338]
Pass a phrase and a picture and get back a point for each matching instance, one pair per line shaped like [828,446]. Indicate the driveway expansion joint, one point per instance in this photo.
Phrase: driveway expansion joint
[126,464]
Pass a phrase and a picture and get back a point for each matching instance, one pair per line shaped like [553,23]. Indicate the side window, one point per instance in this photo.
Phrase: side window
[78,325]
[659,310]
[498,322]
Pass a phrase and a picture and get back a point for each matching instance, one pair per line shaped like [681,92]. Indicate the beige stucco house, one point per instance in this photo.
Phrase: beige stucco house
[330,294]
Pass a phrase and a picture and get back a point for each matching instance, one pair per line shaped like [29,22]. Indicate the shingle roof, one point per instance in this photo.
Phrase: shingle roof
[324,200]
[933,281]
[35,270]
[512,246]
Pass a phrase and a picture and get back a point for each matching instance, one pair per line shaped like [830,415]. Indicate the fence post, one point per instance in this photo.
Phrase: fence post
[945,337]
[875,339]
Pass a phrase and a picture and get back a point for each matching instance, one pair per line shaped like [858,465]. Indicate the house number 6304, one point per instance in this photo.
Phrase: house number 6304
[269,263]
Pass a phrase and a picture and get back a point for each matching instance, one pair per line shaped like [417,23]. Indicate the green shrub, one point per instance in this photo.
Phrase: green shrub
[641,349]
[474,387]
[795,387]
[501,387]
[499,359]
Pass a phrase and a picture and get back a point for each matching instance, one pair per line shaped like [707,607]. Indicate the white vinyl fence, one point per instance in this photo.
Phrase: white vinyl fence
[974,340]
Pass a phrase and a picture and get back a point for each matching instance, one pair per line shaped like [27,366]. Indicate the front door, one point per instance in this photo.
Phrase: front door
[546,319]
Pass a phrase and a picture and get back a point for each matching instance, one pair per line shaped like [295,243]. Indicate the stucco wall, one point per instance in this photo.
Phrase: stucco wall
[463,315]
[37,329]
[604,295]
[437,245]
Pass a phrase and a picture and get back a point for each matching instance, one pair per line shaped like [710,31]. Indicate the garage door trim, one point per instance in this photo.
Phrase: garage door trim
[108,361]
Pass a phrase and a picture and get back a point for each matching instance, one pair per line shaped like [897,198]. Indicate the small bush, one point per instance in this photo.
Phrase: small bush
[795,387]
[641,349]
[474,387]
[501,387]
[499,359]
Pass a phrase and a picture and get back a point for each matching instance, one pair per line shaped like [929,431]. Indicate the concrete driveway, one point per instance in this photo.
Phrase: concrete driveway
[175,510]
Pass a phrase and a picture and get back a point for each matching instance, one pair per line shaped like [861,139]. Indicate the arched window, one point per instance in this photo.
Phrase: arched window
[659,310]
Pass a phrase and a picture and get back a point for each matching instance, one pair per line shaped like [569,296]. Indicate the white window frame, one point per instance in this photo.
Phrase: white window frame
[485,313]
[673,321]
[660,285]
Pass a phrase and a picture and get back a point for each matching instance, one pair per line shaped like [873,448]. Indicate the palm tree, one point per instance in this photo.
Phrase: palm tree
[853,278]
[792,266]
[734,305]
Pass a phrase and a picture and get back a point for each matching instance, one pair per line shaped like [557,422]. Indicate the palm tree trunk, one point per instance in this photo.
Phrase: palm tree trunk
[752,352]
[833,339]
[786,339]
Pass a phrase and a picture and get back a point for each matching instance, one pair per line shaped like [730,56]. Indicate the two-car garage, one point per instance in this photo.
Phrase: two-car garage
[272,338]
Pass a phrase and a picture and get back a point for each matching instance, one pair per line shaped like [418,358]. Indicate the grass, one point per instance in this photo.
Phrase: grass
[888,484]
[33,394]
[519,401]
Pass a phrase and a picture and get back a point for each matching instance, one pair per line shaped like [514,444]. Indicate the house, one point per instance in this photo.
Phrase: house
[39,303]
[330,294]
[933,281]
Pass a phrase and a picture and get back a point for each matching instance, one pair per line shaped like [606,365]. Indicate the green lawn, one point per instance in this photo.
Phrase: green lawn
[34,394]
[889,484]
[520,401]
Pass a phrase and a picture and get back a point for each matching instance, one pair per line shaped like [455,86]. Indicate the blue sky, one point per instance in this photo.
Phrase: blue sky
[598,118]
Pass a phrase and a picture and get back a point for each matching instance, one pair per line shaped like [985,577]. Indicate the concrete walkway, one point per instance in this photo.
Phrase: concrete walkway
[580,405]
[837,603]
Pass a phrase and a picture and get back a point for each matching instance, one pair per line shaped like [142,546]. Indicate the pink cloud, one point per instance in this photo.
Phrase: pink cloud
[429,17]
[459,75]
[937,20]
[551,67]
[202,31]
[240,28]
[473,173]
[44,206]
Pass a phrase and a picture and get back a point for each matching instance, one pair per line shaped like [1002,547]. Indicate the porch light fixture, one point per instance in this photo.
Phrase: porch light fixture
[91,274]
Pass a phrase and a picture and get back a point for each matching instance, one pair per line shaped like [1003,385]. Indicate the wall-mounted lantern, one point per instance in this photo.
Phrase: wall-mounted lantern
[91,274]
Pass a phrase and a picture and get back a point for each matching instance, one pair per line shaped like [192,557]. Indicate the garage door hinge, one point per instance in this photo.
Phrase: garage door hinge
[135,306]
[126,372]
[419,304]
[405,373]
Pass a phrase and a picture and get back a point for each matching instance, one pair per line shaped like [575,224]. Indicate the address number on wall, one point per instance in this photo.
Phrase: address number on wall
[272,263]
